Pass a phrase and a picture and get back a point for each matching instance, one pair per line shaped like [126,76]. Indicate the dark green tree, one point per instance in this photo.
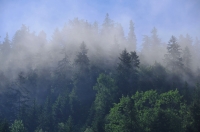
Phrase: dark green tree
[82,74]
[135,60]
[63,79]
[82,83]
[124,70]
[195,110]
[45,117]
[122,117]
[161,123]
[105,97]
[127,72]
[33,117]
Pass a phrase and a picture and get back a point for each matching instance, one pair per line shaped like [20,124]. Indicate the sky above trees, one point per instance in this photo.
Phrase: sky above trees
[168,16]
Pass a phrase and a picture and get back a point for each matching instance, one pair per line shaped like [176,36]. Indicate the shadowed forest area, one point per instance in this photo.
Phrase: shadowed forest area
[92,78]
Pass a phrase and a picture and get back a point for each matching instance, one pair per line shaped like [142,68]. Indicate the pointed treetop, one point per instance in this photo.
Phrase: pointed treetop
[155,39]
[107,21]
[173,40]
[6,39]
[154,31]
[83,48]
[131,34]
[131,37]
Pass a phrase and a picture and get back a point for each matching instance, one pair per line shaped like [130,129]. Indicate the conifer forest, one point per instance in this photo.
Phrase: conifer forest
[90,77]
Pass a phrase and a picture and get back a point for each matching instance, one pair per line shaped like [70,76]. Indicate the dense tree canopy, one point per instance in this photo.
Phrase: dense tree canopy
[92,78]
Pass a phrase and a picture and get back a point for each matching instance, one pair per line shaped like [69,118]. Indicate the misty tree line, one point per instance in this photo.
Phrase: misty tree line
[92,79]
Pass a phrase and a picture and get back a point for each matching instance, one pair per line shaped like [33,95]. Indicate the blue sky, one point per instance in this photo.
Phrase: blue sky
[170,17]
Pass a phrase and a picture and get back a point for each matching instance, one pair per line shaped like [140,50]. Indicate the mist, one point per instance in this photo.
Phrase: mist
[82,57]
[105,41]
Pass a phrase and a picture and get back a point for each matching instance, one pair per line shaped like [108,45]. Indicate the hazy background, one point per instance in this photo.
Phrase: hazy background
[168,16]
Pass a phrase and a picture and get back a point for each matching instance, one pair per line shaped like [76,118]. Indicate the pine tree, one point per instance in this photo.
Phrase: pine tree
[196,48]
[63,80]
[127,72]
[131,37]
[154,38]
[173,58]
[82,60]
[82,81]
[124,73]
[107,25]
[6,46]
[187,58]
[135,60]
[146,52]
[107,22]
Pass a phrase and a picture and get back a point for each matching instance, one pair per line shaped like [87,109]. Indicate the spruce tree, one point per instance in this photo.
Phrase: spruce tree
[173,58]
[187,58]
[131,37]
[6,46]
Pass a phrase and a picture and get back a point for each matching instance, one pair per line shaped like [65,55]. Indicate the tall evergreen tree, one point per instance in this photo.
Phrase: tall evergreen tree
[107,22]
[154,38]
[131,37]
[173,58]
[196,51]
[127,72]
[82,81]
[63,72]
[82,60]
[135,60]
[124,72]
[6,46]
[105,97]
[107,25]
[187,58]
[146,43]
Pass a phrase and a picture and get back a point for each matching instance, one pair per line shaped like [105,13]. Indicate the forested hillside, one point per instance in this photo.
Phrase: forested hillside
[90,77]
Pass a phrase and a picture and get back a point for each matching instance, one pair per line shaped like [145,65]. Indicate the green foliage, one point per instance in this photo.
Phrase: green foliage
[106,89]
[56,88]
[148,111]
[88,130]
[127,72]
[135,60]
[105,96]
[195,111]
[17,126]
[61,109]
[122,117]
[161,123]
[66,127]
[46,119]
[61,127]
